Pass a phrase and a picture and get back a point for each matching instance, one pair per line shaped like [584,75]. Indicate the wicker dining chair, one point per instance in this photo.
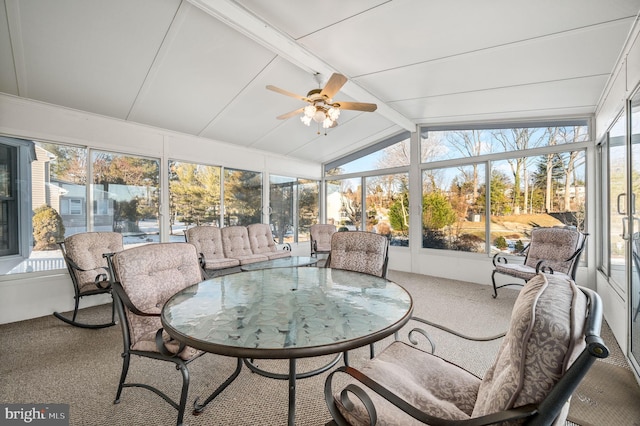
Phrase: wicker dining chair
[88,270]
[144,278]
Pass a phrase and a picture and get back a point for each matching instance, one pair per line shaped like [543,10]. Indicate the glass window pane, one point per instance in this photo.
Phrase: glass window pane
[344,203]
[308,206]
[452,144]
[545,190]
[453,201]
[242,197]
[125,193]
[387,207]
[194,197]
[395,155]
[282,202]
[617,201]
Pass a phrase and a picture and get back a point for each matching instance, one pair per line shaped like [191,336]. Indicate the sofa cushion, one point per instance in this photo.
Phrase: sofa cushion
[261,241]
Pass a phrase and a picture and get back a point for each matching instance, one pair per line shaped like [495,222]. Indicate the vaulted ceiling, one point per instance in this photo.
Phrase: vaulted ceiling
[201,66]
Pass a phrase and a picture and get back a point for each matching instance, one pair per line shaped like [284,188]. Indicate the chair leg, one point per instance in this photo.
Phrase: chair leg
[183,395]
[493,280]
[75,323]
[126,357]
[371,351]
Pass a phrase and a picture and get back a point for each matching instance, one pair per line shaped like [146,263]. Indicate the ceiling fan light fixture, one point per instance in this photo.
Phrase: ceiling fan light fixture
[309,111]
[319,116]
[321,108]
[333,113]
[306,120]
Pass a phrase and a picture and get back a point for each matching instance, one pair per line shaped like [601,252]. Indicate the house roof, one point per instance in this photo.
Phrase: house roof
[201,66]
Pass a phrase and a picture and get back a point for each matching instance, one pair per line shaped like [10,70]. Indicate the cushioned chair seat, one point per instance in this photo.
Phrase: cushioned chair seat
[554,250]
[443,389]
[143,279]
[83,255]
[517,270]
[545,336]
[320,238]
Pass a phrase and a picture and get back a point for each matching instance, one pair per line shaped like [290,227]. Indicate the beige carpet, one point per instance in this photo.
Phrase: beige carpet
[46,361]
[608,395]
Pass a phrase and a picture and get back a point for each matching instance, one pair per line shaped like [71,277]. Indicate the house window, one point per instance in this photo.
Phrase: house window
[8,202]
[75,206]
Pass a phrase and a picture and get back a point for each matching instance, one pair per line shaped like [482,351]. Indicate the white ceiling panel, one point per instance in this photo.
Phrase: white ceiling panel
[200,67]
[401,33]
[577,54]
[204,64]
[88,55]
[298,18]
[557,97]
[256,108]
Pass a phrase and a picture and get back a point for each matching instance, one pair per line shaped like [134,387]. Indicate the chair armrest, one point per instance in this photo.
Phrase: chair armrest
[99,280]
[499,258]
[498,417]
[162,348]
[415,330]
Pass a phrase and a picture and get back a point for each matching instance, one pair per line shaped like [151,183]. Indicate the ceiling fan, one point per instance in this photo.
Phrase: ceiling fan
[322,108]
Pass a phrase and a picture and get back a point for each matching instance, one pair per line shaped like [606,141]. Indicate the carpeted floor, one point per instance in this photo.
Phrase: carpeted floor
[47,361]
[607,395]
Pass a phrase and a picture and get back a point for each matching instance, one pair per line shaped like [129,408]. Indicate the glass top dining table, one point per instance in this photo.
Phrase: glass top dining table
[286,313]
[283,262]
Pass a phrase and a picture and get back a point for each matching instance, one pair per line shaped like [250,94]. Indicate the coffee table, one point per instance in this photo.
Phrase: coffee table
[286,313]
[283,262]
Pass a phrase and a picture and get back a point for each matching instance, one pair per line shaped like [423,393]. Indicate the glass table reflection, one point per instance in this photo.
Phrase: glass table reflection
[283,262]
[286,313]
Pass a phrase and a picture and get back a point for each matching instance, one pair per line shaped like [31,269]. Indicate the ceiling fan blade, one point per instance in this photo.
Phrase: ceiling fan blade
[356,106]
[287,93]
[290,114]
[332,87]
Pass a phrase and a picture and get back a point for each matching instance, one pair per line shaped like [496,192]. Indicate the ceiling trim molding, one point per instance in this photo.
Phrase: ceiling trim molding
[271,38]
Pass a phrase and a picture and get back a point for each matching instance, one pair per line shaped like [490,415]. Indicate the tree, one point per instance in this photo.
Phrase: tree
[437,211]
[48,228]
[399,214]
[500,243]
[499,189]
[69,163]
[519,139]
